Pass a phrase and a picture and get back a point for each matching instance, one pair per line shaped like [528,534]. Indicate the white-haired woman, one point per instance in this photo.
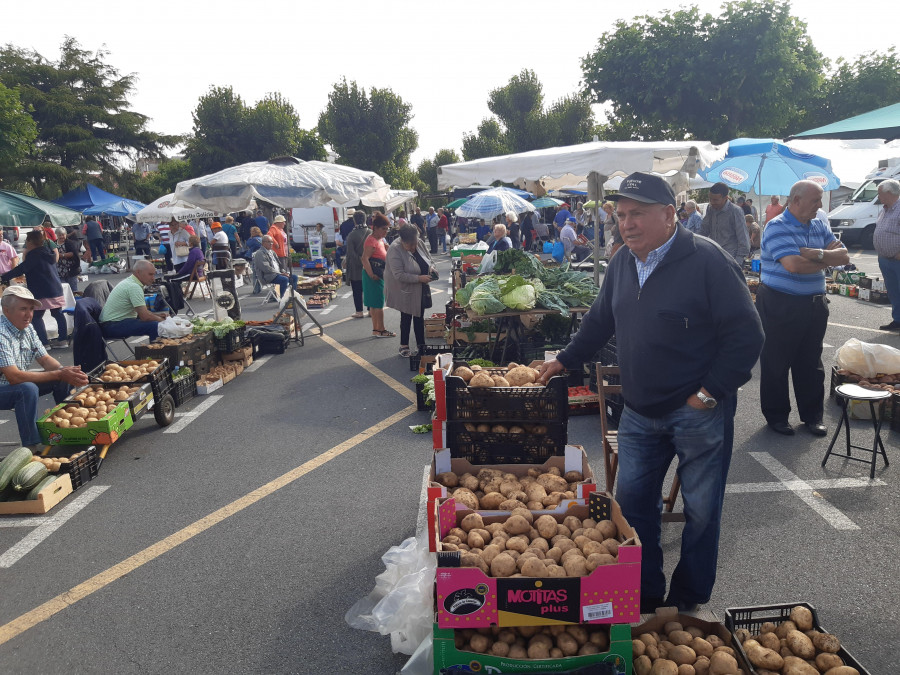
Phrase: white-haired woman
[512,228]
[501,242]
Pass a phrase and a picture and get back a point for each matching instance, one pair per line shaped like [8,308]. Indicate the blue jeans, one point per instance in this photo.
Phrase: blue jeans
[890,270]
[128,328]
[282,282]
[702,440]
[23,398]
[97,250]
[41,330]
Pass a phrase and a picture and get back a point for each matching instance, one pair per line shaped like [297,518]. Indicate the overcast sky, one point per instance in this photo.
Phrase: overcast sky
[441,57]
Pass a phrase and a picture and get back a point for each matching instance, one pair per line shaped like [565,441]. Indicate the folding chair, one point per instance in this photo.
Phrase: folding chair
[197,279]
[611,443]
[269,287]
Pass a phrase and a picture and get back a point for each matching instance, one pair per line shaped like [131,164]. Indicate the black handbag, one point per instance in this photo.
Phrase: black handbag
[377,265]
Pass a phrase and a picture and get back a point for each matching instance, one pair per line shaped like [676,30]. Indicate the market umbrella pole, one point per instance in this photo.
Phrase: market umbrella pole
[595,192]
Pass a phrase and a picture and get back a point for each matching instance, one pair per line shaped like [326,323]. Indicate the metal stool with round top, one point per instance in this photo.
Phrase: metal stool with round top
[846,393]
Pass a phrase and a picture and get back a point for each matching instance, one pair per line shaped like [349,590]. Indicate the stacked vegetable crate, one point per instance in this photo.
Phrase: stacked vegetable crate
[468,600]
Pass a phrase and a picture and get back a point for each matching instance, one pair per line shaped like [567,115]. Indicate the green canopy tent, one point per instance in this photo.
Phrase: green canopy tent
[881,123]
[18,210]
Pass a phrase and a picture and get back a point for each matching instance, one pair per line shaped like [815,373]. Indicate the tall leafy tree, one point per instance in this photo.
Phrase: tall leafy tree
[522,123]
[85,124]
[370,131]
[427,169]
[17,131]
[751,71]
[228,132]
[154,184]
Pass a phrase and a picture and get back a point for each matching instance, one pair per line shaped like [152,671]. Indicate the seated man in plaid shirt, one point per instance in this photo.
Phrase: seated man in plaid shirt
[20,388]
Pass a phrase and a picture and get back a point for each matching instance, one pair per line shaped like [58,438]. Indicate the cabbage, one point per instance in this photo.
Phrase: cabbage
[516,293]
[464,293]
[485,299]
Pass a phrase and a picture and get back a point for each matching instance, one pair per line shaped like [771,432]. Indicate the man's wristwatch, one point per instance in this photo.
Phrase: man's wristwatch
[708,401]
[820,254]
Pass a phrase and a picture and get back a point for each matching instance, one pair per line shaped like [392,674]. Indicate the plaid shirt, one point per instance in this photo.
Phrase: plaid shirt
[18,348]
[887,231]
[645,269]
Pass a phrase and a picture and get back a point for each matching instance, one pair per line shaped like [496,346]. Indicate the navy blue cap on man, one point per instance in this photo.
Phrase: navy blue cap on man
[646,188]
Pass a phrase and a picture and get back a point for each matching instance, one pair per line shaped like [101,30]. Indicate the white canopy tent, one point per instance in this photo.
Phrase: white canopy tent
[541,170]
[167,207]
[388,202]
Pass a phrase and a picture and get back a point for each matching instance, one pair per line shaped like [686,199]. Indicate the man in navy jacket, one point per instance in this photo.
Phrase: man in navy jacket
[688,336]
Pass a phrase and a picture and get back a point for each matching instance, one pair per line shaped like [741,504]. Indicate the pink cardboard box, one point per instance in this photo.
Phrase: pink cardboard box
[467,598]
[575,459]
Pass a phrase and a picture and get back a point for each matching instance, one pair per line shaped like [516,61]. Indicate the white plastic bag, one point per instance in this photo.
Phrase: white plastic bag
[488,262]
[867,359]
[401,604]
[175,327]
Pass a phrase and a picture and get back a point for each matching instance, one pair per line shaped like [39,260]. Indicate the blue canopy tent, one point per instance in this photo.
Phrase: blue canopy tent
[86,197]
[120,207]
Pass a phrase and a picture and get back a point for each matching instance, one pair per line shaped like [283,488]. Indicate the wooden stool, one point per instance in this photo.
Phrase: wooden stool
[846,393]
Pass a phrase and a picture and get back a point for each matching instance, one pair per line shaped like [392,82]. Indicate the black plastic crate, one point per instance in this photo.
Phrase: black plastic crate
[488,447]
[427,350]
[84,467]
[231,341]
[184,389]
[272,339]
[528,404]
[420,397]
[751,618]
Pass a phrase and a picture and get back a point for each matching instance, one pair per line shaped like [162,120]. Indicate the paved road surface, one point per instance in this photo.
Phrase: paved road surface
[237,543]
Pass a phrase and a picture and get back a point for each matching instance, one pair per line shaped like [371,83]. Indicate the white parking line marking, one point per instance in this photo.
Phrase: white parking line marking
[347,294]
[873,330]
[190,415]
[306,327]
[825,345]
[819,484]
[257,363]
[328,309]
[48,525]
[139,338]
[805,491]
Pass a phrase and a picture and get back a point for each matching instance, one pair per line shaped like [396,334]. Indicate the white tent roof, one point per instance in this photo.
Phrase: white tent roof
[388,202]
[551,168]
[167,207]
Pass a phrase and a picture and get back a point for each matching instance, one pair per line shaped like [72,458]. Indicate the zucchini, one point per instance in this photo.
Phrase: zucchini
[10,466]
[29,476]
[36,490]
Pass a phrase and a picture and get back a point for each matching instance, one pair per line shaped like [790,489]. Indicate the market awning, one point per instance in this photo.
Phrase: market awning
[881,123]
[18,210]
[86,197]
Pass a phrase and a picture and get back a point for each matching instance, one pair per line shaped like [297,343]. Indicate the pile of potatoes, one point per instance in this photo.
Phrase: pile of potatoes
[525,546]
[493,490]
[73,415]
[95,394]
[55,464]
[117,373]
[681,650]
[533,429]
[794,647]
[534,642]
[513,375]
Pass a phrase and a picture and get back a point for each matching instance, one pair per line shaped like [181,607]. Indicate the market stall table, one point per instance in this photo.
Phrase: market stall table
[512,322]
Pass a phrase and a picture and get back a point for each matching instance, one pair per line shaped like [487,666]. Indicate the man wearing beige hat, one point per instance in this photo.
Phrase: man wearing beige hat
[279,239]
[21,388]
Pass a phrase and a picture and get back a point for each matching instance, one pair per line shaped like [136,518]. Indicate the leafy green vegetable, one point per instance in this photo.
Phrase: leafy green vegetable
[516,293]
[421,429]
[485,298]
[219,328]
[514,259]
[419,379]
[484,363]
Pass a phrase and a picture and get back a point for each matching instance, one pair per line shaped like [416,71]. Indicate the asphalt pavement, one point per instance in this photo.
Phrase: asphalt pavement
[235,541]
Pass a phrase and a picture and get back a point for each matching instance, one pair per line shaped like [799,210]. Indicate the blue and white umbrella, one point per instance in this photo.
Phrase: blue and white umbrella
[546,202]
[769,167]
[493,202]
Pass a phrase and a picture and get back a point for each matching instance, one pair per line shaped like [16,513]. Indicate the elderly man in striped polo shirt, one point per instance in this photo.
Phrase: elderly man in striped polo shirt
[887,245]
[796,249]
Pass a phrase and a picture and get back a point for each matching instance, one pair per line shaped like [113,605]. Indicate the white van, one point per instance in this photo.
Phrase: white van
[303,222]
[855,218]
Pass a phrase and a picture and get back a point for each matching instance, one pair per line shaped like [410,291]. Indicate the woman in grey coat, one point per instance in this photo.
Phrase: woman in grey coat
[353,260]
[408,271]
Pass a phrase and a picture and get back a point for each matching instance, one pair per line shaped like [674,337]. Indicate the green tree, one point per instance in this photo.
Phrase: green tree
[155,184]
[427,169]
[17,131]
[228,132]
[869,82]
[85,126]
[752,71]
[488,141]
[370,131]
[521,123]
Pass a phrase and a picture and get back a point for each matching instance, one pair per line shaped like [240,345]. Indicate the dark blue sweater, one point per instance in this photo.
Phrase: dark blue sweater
[692,325]
[39,268]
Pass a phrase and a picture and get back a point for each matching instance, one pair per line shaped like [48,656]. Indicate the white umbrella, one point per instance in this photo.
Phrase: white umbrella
[284,181]
[167,207]
[379,199]
[490,203]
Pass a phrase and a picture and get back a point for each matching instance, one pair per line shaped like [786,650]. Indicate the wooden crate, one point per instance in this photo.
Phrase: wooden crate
[50,496]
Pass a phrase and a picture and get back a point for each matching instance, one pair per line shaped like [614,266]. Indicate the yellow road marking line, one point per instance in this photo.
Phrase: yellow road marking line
[334,323]
[99,581]
[404,391]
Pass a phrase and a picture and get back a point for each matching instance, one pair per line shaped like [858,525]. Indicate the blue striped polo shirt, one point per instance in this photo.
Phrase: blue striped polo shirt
[785,235]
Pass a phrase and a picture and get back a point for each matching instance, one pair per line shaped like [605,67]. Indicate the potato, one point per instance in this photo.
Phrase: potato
[686,669]
[802,617]
[483,428]
[448,479]
[642,665]
[842,670]
[481,380]
[785,628]
[567,644]
[767,627]
[826,661]
[471,522]
[533,567]
[608,528]
[721,663]
[500,648]
[465,373]
[546,525]
[552,483]
[520,376]
[475,540]
[516,524]
[479,643]
[770,641]
[825,642]
[680,637]
[466,497]
[800,645]
[500,381]
[664,667]
[682,654]
[763,657]
[794,665]
[503,565]
[701,647]
[575,567]
[701,665]
[491,501]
